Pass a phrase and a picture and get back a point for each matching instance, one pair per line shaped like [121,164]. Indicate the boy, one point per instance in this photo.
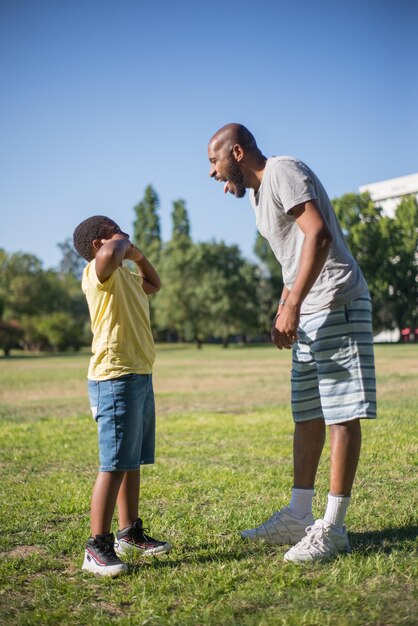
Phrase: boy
[120,389]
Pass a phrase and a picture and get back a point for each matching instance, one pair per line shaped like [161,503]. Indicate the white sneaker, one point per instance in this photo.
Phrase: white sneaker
[322,542]
[281,528]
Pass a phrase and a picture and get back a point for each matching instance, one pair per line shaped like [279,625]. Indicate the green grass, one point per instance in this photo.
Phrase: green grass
[223,464]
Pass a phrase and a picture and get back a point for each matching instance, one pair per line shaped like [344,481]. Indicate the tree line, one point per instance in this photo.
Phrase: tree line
[210,291]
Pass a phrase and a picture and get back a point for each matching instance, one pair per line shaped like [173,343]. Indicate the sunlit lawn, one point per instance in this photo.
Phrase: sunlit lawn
[223,464]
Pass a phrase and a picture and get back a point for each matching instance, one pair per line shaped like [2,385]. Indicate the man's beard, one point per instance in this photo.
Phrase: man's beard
[234,176]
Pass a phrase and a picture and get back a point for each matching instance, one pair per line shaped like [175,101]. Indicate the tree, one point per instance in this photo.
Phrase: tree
[224,298]
[60,330]
[11,335]
[172,305]
[367,233]
[71,262]
[12,266]
[386,250]
[403,264]
[33,294]
[41,309]
[147,232]
[270,284]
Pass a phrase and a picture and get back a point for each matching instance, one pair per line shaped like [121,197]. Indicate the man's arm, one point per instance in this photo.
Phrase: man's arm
[314,254]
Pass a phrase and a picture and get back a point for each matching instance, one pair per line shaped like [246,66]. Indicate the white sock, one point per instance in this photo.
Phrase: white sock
[301,502]
[336,510]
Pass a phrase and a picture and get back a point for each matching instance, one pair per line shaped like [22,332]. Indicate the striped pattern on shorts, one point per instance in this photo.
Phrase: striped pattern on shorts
[333,374]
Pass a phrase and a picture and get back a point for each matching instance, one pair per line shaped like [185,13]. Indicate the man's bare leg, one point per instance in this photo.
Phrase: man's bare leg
[308,442]
[345,453]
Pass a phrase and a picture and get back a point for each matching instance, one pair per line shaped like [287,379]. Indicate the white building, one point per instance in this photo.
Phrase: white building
[388,193]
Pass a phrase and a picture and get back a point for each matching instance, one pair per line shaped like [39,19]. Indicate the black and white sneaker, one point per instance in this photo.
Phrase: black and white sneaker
[100,557]
[134,538]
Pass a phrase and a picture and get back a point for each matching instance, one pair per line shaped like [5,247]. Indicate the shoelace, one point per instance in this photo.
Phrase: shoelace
[140,533]
[109,550]
[313,533]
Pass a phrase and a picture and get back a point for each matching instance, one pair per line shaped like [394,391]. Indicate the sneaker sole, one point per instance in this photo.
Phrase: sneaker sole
[126,548]
[101,570]
[283,541]
[323,559]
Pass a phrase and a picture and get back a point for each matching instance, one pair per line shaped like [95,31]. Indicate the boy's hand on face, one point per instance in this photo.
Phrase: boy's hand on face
[132,253]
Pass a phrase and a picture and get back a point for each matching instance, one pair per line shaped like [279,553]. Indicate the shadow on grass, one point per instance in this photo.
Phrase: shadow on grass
[383,540]
[197,555]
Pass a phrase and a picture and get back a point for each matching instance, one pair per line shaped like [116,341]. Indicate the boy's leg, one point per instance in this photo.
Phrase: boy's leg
[100,557]
[128,499]
[132,535]
[103,501]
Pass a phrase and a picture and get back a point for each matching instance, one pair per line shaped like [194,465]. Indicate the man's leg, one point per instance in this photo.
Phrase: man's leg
[328,536]
[308,442]
[345,453]
[288,524]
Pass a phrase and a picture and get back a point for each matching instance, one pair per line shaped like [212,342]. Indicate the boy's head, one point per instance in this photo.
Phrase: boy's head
[93,228]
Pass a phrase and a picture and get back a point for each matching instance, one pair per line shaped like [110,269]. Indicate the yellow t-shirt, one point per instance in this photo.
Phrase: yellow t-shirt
[119,311]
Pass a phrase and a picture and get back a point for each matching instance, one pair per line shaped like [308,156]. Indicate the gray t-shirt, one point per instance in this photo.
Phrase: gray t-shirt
[286,183]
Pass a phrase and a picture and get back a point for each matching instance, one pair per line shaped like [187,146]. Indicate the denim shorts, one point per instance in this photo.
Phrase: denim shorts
[124,410]
[333,374]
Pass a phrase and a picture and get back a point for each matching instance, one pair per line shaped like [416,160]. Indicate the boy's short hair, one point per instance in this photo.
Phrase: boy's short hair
[90,229]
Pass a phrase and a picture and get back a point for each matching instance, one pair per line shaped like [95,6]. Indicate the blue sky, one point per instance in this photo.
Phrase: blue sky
[101,98]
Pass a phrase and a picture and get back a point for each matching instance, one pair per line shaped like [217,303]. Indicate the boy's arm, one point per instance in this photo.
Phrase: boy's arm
[151,281]
[110,255]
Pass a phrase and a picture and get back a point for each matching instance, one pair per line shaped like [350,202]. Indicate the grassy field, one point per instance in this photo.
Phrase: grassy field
[223,464]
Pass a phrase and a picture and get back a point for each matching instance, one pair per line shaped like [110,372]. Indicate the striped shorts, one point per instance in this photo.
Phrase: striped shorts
[333,376]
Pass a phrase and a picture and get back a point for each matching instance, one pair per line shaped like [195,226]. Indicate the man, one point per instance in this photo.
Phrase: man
[324,315]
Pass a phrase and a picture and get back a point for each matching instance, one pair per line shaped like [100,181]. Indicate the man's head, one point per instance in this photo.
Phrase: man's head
[90,234]
[234,157]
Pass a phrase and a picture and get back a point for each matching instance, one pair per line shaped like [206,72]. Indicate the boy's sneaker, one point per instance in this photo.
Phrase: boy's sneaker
[281,528]
[322,542]
[134,538]
[100,557]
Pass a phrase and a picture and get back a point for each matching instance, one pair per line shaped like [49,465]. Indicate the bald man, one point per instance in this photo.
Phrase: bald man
[324,317]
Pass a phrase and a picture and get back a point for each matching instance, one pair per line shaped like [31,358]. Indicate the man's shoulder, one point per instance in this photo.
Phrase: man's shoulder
[286,162]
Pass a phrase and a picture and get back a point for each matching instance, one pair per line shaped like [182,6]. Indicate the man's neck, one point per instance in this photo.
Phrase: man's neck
[258,173]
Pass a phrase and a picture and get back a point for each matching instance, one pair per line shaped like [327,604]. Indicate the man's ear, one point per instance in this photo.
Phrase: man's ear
[237,152]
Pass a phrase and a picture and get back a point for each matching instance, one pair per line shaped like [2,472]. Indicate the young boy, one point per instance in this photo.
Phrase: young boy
[120,389]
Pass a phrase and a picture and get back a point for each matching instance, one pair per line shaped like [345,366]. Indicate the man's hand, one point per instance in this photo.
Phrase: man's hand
[284,331]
